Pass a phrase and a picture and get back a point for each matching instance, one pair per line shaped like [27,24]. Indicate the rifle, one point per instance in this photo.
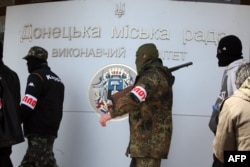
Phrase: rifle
[180,66]
[121,93]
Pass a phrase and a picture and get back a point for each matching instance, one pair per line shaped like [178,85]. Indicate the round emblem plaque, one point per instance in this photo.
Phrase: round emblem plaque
[106,82]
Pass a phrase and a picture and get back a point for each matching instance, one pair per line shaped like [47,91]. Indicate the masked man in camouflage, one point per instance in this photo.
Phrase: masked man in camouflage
[149,105]
[41,110]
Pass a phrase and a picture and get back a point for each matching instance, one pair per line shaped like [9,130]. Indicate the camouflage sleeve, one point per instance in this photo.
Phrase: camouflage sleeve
[124,105]
[142,89]
[150,82]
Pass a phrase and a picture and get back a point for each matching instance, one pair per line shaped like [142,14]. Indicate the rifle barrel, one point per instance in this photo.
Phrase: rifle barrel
[180,66]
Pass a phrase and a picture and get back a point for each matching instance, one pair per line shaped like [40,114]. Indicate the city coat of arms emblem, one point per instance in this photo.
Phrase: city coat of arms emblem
[106,82]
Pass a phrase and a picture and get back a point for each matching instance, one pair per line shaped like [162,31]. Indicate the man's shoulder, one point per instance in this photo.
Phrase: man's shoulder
[7,68]
[43,71]
[236,63]
[7,71]
[156,69]
[235,99]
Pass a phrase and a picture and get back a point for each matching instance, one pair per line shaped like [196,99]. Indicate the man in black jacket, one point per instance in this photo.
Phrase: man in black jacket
[41,110]
[10,125]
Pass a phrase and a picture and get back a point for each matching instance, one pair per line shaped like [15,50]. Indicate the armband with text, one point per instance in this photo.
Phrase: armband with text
[139,93]
[29,101]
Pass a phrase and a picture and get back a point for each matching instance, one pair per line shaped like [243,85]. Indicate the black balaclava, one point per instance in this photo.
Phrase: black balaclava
[34,63]
[229,50]
[145,55]
[36,57]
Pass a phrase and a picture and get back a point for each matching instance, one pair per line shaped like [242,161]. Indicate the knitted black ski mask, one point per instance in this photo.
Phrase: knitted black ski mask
[36,57]
[33,63]
[229,50]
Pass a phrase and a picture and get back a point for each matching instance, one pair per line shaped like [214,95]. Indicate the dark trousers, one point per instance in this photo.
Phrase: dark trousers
[5,160]
[216,162]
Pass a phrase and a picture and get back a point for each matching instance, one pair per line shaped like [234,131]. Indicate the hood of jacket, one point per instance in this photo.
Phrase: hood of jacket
[236,63]
[245,88]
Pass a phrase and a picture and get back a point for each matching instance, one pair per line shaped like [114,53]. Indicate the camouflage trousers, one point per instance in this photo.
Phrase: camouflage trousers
[145,162]
[39,152]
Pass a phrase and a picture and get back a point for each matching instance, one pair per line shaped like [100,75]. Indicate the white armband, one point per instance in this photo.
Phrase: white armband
[29,101]
[140,93]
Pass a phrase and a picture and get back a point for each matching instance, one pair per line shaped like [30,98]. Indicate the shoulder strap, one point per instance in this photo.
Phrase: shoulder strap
[221,105]
[37,74]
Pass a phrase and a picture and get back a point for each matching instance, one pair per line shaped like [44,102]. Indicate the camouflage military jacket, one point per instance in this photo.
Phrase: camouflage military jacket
[151,120]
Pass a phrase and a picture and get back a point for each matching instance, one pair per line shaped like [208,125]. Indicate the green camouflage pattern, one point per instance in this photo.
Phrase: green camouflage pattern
[37,52]
[39,152]
[145,162]
[150,121]
[145,55]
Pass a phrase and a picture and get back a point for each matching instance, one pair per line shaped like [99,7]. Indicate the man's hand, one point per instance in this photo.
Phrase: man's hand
[104,118]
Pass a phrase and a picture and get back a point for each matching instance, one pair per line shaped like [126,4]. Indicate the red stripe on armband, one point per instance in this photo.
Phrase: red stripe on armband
[29,101]
[140,93]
